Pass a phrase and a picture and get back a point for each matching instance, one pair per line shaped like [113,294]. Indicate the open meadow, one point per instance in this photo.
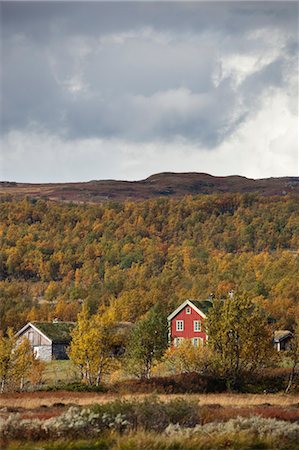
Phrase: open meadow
[36,400]
[64,420]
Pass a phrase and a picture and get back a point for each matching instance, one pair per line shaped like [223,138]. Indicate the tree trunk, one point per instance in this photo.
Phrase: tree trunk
[291,378]
[148,369]
[99,377]
[87,372]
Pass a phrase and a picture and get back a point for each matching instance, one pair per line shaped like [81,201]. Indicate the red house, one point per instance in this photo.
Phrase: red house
[187,322]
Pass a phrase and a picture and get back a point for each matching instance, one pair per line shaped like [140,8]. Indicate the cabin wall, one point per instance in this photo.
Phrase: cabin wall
[34,337]
[43,352]
[283,345]
[41,346]
[188,331]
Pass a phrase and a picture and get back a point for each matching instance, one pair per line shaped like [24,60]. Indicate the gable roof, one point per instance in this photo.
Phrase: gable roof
[200,306]
[280,335]
[56,332]
[203,305]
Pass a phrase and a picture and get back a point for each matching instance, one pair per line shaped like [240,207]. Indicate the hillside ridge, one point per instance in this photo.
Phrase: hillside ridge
[164,184]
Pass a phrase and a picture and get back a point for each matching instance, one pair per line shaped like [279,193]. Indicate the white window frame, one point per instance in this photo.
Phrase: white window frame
[188,310]
[179,326]
[197,326]
[197,342]
[177,341]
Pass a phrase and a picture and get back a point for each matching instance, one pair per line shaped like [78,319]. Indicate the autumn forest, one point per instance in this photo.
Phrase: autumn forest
[132,255]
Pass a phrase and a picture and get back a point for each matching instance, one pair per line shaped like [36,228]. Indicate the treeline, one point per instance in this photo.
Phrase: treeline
[133,254]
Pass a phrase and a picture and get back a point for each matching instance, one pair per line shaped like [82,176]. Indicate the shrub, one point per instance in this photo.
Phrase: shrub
[177,418]
[256,425]
[74,387]
[191,383]
[265,381]
[151,414]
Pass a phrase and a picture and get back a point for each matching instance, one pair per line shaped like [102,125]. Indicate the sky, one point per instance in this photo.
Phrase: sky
[123,90]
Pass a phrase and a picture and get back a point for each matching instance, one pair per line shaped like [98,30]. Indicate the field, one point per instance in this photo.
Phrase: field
[198,416]
[60,371]
[33,400]
[61,419]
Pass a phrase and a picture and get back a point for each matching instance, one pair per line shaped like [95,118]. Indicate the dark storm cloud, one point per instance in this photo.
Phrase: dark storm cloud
[144,72]
[39,18]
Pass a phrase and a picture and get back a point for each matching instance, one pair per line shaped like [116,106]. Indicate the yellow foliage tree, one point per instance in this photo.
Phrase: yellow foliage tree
[7,345]
[186,358]
[23,358]
[91,346]
[16,361]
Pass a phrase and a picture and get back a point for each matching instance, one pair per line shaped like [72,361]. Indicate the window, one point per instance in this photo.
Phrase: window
[197,342]
[177,341]
[197,325]
[179,325]
[188,310]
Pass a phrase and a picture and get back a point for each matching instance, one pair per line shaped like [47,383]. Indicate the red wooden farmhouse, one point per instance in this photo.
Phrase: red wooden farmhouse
[187,322]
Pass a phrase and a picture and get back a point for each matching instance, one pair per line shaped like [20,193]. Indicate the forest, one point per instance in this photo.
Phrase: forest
[131,255]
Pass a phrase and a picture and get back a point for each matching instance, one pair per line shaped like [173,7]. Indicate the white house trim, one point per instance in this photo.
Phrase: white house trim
[182,306]
[29,324]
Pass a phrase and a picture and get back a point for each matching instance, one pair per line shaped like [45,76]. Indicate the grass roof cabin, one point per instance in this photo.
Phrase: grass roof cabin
[49,340]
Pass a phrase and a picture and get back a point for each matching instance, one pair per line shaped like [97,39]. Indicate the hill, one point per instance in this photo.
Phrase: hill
[165,184]
[133,254]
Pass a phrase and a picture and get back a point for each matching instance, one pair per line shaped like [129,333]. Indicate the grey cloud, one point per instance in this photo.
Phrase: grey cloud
[139,71]
[42,18]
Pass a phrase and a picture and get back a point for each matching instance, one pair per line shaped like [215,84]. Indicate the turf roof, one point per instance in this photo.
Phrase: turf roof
[279,335]
[203,305]
[58,332]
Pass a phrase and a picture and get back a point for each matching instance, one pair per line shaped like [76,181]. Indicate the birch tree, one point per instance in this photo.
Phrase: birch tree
[91,346]
[240,338]
[16,361]
[22,362]
[147,343]
[7,345]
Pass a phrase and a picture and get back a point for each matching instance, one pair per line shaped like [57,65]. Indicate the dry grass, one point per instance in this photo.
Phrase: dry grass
[30,400]
[60,371]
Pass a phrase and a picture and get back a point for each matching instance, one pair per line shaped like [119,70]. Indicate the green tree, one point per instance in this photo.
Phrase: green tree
[147,343]
[240,338]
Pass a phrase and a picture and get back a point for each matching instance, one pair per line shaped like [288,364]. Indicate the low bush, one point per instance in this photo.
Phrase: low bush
[255,425]
[269,381]
[118,416]
[175,432]
[151,414]
[74,387]
[189,383]
[266,381]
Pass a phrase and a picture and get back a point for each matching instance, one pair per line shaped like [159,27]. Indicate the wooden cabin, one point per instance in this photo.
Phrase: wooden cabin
[49,340]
